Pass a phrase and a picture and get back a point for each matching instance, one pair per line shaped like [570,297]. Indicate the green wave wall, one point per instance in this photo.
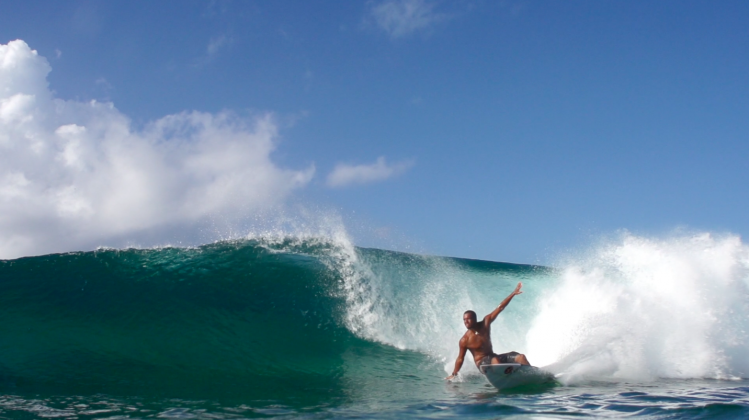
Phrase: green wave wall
[232,318]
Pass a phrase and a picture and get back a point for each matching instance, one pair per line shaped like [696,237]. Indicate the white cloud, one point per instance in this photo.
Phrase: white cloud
[216,44]
[344,175]
[76,175]
[402,17]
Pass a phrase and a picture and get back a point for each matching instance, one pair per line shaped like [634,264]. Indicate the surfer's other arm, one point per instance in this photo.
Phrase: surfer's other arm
[492,316]
[459,360]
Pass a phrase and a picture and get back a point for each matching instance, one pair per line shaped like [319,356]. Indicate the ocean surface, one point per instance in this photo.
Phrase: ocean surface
[313,327]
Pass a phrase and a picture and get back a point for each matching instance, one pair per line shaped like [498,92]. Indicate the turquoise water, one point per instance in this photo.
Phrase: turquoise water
[317,328]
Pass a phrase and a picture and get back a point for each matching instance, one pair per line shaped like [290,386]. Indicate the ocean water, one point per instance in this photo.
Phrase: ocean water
[304,326]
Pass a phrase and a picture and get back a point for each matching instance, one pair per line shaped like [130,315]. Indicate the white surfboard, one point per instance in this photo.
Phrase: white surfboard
[510,375]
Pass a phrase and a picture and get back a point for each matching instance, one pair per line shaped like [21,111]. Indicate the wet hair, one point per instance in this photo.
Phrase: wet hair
[473,314]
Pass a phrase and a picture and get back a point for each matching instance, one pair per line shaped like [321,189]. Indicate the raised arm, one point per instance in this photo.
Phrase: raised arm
[492,316]
[459,360]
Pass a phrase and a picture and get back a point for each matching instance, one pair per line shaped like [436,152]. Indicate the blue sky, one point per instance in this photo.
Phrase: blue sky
[505,130]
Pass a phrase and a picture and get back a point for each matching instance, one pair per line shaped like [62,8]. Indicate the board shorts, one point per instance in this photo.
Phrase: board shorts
[503,358]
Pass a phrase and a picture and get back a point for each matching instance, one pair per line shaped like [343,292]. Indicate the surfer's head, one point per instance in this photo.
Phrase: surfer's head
[469,319]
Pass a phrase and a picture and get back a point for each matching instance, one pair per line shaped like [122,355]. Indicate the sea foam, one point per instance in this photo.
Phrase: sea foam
[643,308]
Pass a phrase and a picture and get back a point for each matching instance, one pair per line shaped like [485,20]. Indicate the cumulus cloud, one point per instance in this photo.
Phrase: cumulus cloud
[345,175]
[402,17]
[76,175]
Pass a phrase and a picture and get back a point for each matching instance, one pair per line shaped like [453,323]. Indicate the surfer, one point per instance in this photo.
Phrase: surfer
[478,340]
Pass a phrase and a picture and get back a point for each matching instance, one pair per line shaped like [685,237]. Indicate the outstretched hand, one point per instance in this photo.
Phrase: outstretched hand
[450,378]
[517,289]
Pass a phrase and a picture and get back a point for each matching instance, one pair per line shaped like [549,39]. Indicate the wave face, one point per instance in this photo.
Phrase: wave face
[171,320]
[257,316]
[310,317]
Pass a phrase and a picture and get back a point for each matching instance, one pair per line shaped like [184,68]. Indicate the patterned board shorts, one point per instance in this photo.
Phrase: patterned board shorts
[503,358]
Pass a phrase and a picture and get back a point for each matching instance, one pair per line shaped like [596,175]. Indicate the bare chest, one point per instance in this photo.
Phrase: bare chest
[477,341]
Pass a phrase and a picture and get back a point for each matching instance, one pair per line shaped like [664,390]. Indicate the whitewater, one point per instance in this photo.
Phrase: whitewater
[290,324]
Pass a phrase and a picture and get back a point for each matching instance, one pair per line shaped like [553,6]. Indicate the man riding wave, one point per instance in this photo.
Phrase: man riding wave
[478,339]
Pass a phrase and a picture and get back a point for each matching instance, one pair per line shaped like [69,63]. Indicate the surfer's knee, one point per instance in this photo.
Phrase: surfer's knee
[520,358]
